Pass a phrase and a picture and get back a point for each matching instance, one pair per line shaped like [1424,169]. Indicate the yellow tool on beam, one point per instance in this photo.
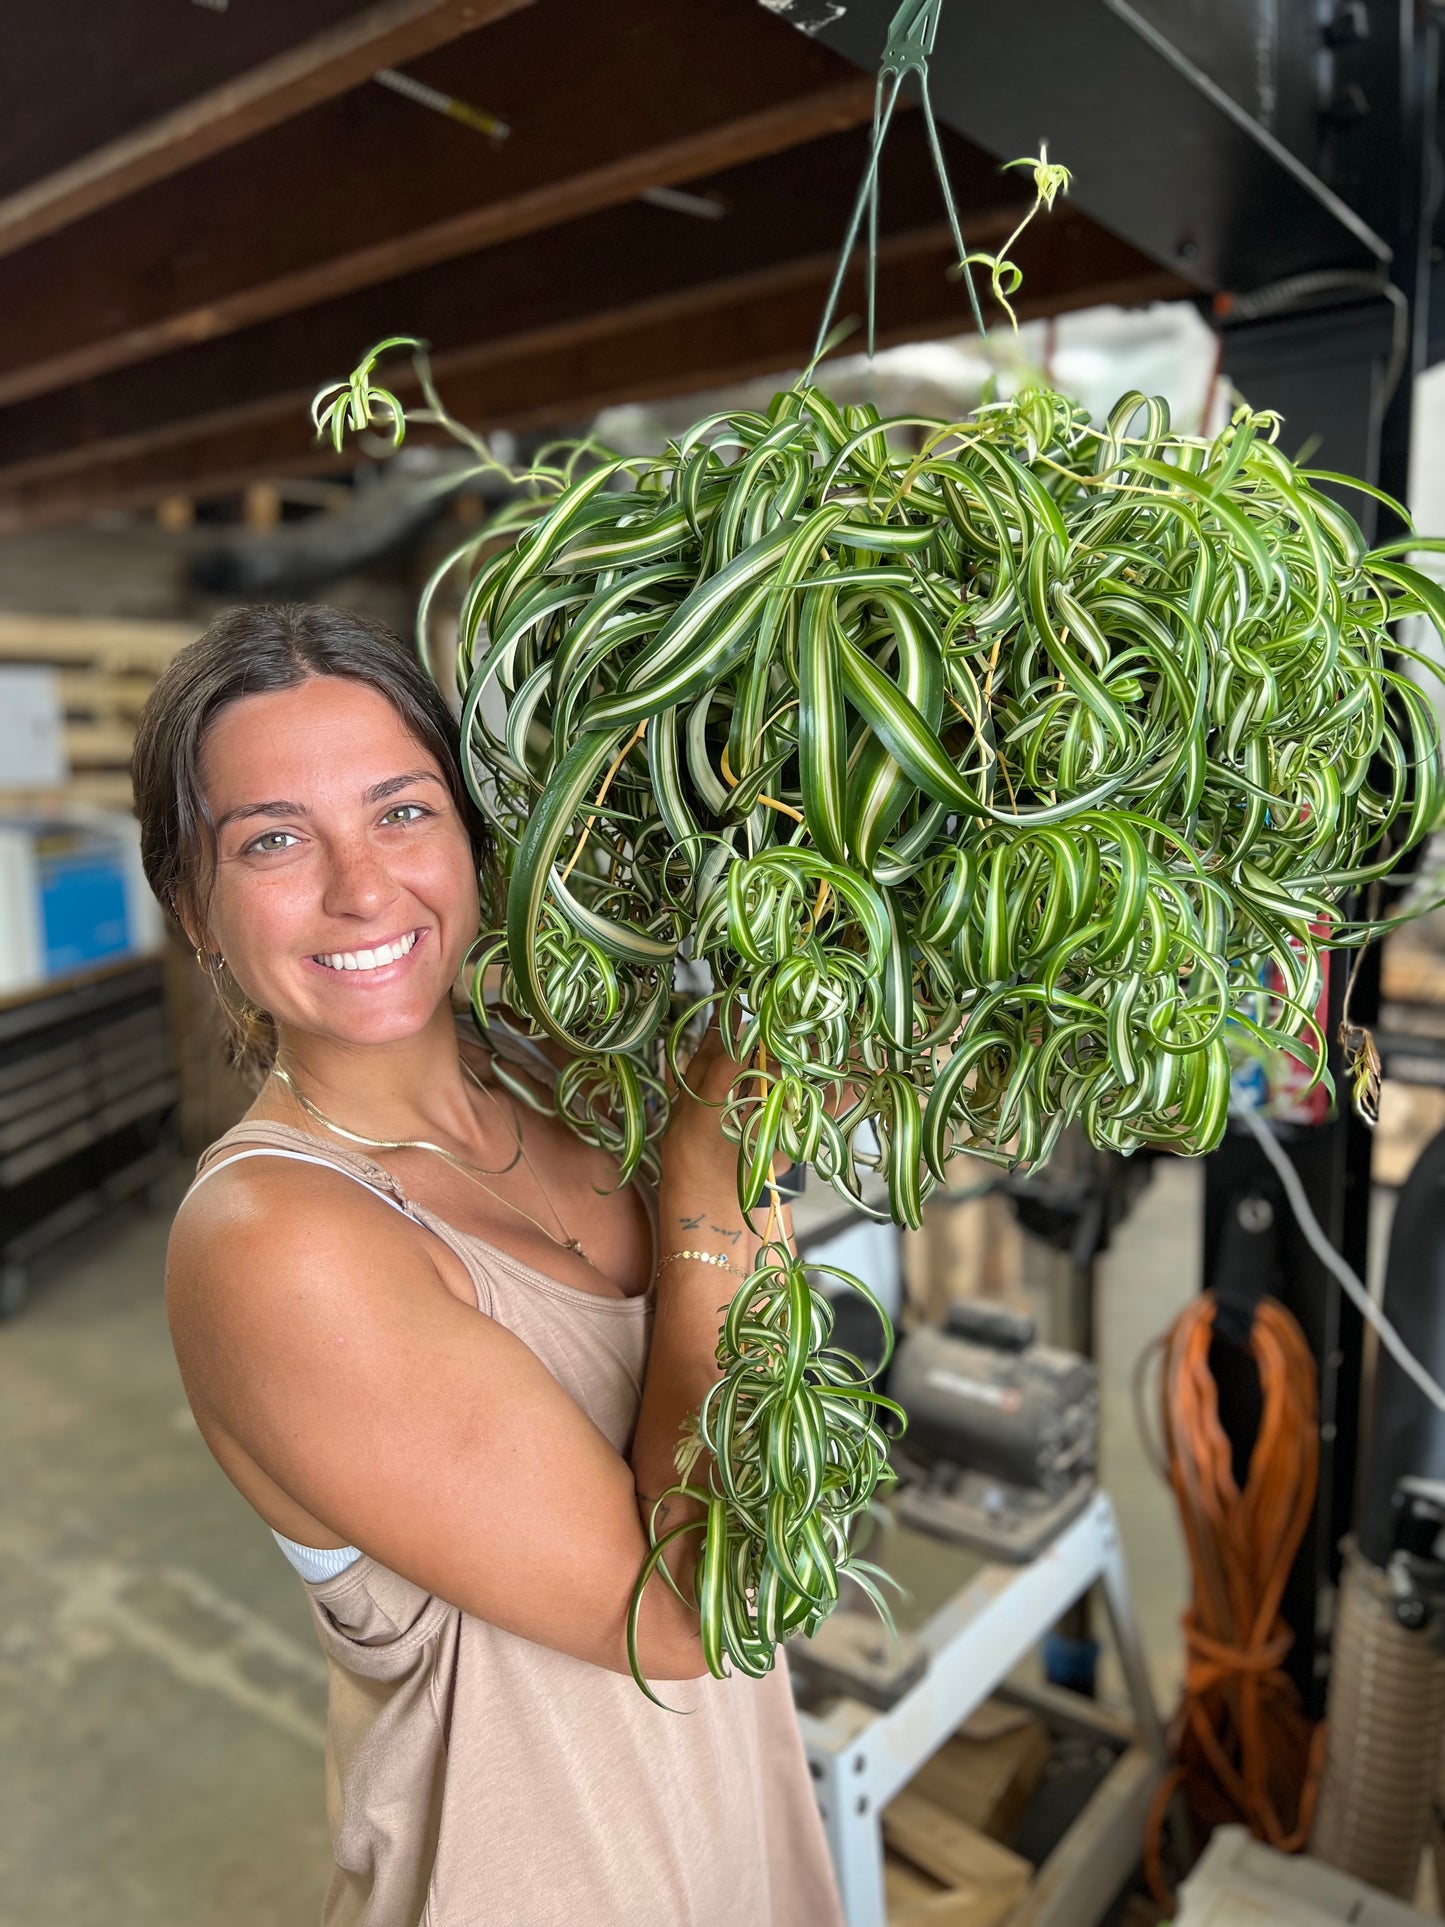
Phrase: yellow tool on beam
[477,118]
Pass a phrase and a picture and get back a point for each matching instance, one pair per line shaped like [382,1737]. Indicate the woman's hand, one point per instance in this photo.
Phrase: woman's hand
[699,1166]
[698,1195]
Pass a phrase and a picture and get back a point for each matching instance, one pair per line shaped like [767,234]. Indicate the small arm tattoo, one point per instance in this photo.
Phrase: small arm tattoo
[691,1224]
[733,1236]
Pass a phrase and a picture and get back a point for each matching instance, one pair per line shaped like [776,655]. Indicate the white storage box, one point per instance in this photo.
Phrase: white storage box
[1239,1883]
[72,898]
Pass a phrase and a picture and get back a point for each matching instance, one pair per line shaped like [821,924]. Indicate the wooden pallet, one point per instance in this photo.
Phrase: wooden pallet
[107,668]
[1411,972]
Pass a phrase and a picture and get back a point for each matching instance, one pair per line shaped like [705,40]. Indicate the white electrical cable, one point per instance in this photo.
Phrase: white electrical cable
[1331,1259]
[706,207]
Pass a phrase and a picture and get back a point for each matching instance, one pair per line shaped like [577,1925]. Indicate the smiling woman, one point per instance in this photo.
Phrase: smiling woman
[342,868]
[424,1332]
[191,848]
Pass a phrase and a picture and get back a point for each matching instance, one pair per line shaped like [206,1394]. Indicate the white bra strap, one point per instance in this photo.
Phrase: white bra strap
[297,1157]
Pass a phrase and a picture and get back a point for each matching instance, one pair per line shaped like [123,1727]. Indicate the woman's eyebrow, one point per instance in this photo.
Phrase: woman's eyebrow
[394,783]
[278,808]
[375,794]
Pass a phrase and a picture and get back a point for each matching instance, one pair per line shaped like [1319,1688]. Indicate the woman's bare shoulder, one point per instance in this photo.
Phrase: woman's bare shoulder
[270,1248]
[259,1213]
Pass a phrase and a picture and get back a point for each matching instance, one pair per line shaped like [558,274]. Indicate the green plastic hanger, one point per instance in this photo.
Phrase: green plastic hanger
[910,41]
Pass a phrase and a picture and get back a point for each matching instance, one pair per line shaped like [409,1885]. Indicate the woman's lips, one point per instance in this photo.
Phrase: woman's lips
[371,963]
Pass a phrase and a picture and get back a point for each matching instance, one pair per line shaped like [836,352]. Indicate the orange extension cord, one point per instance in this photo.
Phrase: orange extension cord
[1243,1749]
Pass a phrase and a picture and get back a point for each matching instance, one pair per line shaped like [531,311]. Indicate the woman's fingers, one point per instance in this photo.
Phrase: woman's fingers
[713,1068]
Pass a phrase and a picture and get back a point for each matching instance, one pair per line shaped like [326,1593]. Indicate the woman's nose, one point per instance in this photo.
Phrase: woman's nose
[358,882]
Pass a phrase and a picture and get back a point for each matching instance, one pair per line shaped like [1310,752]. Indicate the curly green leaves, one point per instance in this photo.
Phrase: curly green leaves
[1000,785]
[1102,721]
[359,402]
[798,1452]
[822,725]
[1005,276]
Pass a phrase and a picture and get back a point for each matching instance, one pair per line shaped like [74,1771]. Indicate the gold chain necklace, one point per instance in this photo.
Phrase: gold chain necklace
[467,1170]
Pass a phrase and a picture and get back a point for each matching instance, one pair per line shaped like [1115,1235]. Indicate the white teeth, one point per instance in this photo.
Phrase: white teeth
[369,959]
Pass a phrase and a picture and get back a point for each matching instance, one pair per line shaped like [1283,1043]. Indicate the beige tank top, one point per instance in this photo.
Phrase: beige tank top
[474,1779]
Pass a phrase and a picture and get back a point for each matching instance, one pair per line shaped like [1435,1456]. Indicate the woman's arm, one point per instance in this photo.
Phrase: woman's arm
[698,1211]
[314,1330]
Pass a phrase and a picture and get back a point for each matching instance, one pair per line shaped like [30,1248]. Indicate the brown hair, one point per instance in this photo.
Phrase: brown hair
[252,652]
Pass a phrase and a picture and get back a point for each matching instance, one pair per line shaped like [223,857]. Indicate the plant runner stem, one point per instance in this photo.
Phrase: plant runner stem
[601,797]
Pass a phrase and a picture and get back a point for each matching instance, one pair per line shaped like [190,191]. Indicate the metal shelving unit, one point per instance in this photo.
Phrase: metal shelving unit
[88,1089]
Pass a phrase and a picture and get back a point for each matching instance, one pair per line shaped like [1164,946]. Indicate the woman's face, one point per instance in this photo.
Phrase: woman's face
[346,891]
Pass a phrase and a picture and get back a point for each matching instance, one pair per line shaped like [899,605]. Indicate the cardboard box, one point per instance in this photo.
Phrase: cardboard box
[989,1771]
[976,1882]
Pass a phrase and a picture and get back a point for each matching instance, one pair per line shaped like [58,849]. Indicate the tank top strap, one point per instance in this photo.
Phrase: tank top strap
[295,1157]
[265,1137]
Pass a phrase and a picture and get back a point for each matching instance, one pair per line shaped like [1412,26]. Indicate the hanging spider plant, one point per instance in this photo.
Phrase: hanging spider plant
[990,767]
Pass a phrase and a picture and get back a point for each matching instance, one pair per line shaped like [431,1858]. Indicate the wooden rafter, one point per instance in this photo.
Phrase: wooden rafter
[713,334]
[778,209]
[603,102]
[300,77]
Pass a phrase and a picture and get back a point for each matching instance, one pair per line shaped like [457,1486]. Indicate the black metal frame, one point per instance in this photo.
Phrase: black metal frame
[1342,376]
[1163,152]
[88,1092]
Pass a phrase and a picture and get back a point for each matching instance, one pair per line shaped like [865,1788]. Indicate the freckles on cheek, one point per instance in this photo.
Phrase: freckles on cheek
[260,912]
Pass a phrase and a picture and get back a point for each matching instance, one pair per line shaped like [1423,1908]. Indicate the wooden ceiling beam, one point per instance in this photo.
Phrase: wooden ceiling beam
[72,80]
[711,335]
[329,63]
[603,103]
[779,209]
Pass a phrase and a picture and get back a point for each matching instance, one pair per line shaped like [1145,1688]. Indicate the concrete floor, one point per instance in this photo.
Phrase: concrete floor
[162,1697]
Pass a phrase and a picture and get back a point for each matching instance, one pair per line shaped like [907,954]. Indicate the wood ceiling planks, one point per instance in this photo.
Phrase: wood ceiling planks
[713,333]
[341,56]
[78,76]
[603,102]
[779,209]
[206,270]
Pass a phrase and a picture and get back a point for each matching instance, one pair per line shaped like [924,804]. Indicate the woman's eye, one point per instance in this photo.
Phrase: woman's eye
[405,813]
[269,842]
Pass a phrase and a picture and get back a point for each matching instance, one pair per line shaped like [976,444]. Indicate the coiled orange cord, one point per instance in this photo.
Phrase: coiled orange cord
[1243,1749]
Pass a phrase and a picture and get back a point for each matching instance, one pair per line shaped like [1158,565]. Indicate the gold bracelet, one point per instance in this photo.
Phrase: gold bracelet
[703,1258]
